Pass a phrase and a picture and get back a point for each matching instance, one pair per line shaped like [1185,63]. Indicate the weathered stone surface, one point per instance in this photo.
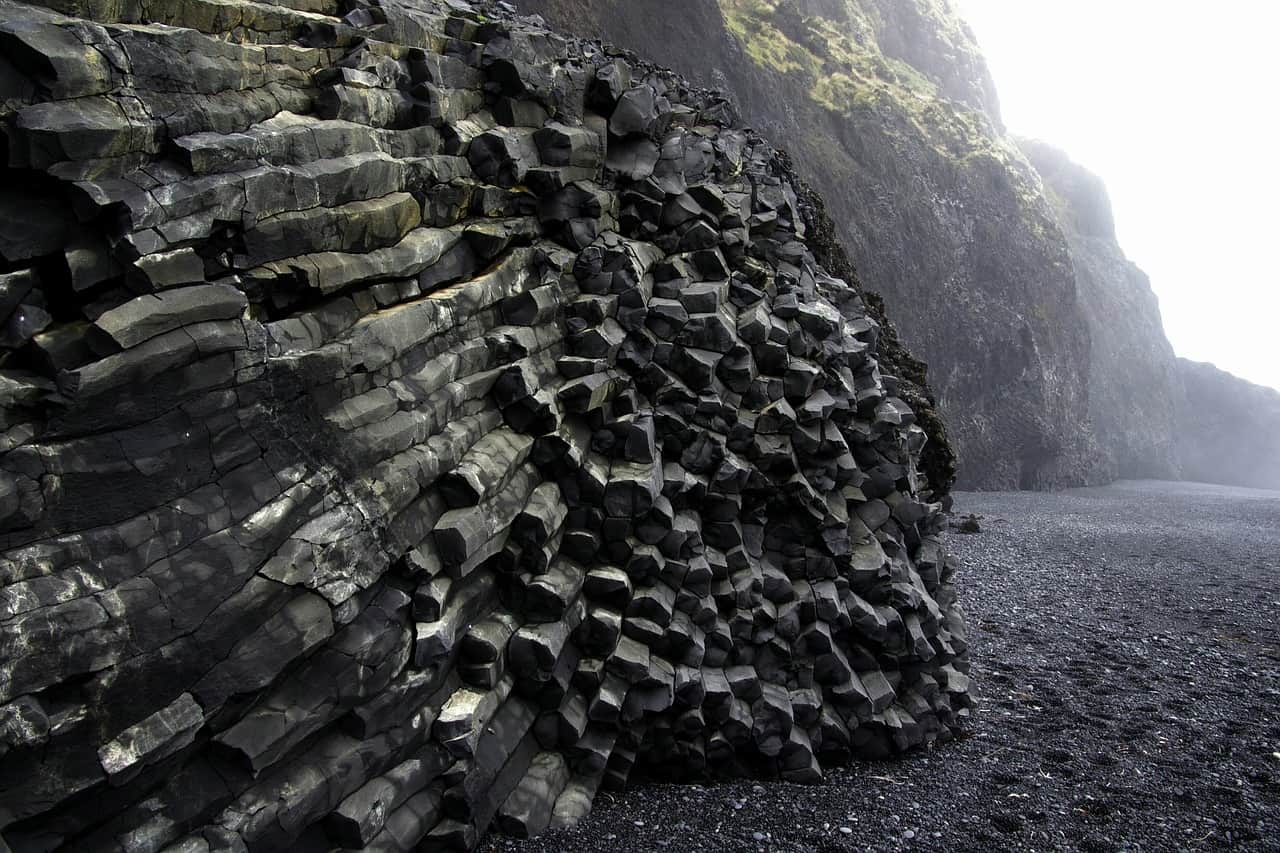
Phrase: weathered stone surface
[151,315]
[427,421]
[157,737]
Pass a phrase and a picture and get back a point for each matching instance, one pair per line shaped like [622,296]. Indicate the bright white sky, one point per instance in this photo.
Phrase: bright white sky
[1176,104]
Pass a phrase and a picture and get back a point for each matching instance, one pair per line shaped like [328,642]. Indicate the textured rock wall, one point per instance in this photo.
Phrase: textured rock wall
[414,421]
[1228,429]
[1134,386]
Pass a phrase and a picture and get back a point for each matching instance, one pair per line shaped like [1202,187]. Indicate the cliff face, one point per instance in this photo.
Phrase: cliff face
[1228,429]
[888,107]
[413,420]
[1134,386]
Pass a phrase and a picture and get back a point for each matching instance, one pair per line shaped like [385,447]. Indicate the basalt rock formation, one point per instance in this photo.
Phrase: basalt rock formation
[414,421]
[1228,428]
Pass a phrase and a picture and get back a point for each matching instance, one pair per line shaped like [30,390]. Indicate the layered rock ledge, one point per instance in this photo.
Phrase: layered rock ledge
[416,421]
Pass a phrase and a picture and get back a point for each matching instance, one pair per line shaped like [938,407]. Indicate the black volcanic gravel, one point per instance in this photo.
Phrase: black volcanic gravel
[1127,663]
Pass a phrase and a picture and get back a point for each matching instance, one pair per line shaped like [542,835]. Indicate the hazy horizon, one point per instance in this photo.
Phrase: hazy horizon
[1172,106]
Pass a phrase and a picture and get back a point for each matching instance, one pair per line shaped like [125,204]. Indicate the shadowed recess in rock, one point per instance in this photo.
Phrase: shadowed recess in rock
[416,421]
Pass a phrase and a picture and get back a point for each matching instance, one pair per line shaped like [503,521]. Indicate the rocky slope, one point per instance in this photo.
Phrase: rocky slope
[414,420]
[1228,429]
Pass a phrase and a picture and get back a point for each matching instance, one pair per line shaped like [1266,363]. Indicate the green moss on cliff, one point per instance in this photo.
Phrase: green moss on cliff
[844,69]
[845,72]
[752,22]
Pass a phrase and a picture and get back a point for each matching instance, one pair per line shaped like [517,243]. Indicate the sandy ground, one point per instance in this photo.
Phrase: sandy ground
[1126,646]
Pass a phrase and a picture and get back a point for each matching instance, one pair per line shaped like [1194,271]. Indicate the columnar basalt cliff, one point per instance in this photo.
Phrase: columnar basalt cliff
[415,421]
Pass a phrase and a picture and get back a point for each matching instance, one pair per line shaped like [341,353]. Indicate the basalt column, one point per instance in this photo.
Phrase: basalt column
[415,421]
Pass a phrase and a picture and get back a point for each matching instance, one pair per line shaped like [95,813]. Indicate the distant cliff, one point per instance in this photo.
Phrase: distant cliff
[1134,386]
[1228,429]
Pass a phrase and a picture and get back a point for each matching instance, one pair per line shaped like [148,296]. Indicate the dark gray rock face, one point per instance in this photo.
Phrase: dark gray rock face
[1228,429]
[1134,387]
[415,421]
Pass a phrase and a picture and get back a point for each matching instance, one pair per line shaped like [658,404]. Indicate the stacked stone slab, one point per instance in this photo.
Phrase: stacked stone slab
[415,422]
